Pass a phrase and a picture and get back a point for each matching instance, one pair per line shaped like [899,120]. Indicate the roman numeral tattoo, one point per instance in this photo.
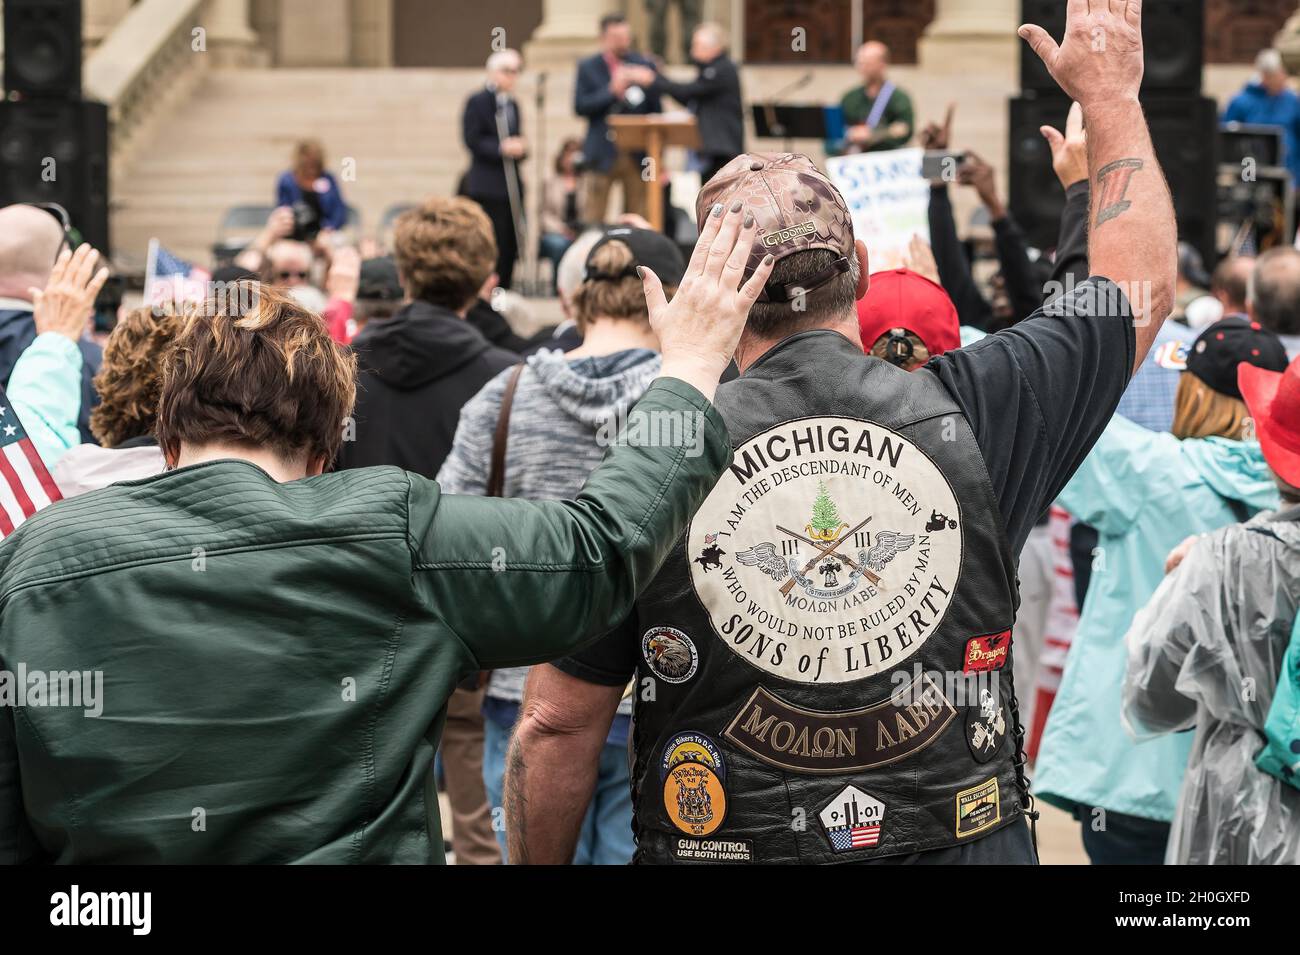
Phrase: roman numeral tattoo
[1112,186]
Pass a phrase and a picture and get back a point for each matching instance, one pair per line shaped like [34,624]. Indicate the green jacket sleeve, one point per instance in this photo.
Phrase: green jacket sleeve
[521,582]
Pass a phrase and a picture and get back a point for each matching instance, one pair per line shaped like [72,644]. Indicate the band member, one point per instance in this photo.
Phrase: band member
[494,180]
[877,114]
[615,80]
[714,97]
[824,668]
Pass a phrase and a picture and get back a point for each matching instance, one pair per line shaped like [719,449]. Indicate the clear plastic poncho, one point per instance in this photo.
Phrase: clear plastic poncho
[1204,655]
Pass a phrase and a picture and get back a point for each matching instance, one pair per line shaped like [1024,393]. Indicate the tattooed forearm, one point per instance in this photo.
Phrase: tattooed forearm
[516,804]
[1112,186]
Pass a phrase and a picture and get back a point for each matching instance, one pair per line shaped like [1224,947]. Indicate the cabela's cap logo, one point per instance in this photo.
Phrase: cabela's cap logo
[818,555]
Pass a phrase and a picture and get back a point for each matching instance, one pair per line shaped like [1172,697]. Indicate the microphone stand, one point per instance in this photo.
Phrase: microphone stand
[770,106]
[539,197]
[513,183]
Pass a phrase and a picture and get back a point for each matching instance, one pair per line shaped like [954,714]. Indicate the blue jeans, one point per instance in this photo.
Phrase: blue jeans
[606,837]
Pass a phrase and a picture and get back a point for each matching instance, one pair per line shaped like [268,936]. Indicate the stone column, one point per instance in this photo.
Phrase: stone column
[1288,43]
[569,30]
[230,38]
[99,17]
[972,36]
[315,33]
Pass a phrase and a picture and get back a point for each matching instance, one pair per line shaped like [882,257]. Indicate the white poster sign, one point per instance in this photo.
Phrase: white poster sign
[888,199]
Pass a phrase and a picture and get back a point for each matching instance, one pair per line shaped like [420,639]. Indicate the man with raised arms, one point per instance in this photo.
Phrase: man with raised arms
[792,659]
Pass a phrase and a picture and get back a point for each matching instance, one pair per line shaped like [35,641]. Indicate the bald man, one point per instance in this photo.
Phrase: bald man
[30,241]
[877,114]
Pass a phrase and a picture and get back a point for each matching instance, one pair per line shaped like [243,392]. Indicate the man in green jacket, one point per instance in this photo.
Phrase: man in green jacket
[877,114]
[245,660]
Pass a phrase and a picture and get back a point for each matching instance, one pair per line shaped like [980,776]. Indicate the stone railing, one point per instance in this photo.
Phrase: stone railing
[151,58]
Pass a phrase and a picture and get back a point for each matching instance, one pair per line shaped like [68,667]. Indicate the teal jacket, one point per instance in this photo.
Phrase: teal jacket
[252,671]
[1145,492]
[45,390]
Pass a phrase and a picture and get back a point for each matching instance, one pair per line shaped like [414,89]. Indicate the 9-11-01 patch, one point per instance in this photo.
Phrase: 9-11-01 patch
[852,820]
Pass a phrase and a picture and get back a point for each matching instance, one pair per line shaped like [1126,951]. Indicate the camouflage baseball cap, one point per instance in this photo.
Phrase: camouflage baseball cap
[796,206]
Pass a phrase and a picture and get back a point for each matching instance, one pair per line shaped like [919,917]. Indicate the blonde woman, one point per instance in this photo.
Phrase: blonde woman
[1145,491]
[562,410]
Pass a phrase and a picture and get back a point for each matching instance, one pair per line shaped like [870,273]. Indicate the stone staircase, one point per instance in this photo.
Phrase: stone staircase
[224,145]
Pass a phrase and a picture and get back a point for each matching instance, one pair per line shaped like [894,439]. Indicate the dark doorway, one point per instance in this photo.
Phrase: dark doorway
[459,32]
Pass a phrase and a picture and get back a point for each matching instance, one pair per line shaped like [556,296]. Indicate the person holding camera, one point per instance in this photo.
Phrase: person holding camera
[311,194]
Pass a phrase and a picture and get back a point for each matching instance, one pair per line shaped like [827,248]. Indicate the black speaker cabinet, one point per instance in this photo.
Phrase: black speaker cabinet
[1183,131]
[57,151]
[42,48]
[1173,37]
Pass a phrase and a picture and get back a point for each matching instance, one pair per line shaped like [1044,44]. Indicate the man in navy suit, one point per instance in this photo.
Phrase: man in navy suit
[615,80]
[494,161]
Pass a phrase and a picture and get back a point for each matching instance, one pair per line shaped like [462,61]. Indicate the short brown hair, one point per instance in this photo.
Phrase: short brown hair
[130,378]
[835,299]
[444,250]
[308,152]
[254,368]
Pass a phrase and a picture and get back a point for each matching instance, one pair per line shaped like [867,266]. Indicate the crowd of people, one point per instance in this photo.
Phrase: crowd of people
[736,564]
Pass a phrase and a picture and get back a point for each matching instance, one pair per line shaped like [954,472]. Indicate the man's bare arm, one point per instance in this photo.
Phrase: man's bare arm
[1133,239]
[552,763]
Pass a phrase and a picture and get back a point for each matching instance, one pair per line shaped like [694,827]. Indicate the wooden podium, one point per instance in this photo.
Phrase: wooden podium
[651,134]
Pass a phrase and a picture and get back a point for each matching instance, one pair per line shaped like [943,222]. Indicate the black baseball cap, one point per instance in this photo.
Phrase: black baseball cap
[378,281]
[1230,342]
[652,249]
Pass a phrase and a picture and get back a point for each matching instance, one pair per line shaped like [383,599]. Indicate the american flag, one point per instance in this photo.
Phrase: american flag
[169,278]
[27,486]
[855,837]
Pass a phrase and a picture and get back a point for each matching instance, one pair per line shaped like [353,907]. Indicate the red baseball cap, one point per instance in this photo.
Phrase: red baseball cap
[901,298]
[1273,398]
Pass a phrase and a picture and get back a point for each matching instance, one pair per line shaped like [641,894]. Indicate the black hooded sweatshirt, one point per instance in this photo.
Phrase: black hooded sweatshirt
[414,373]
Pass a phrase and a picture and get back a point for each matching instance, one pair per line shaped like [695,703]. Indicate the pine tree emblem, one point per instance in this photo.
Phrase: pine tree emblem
[826,524]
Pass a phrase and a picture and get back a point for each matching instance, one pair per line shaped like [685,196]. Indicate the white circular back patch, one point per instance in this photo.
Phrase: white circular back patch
[829,550]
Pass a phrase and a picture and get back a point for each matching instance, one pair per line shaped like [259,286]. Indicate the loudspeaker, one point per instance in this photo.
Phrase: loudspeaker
[1173,37]
[42,48]
[57,151]
[1183,131]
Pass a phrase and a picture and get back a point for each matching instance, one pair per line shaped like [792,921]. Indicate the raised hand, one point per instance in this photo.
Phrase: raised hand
[1100,58]
[1069,149]
[66,303]
[699,329]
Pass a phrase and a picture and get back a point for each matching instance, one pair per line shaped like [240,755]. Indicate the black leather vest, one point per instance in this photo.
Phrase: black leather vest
[826,661]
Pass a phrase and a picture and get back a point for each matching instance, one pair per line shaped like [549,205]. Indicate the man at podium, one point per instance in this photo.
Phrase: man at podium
[614,80]
[713,97]
[877,114]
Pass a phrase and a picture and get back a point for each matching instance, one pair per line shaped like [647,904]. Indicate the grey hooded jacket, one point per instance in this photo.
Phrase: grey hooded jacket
[563,414]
